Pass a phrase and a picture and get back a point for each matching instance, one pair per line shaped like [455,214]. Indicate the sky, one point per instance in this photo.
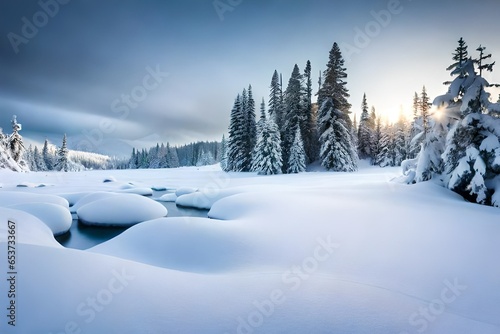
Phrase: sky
[114,74]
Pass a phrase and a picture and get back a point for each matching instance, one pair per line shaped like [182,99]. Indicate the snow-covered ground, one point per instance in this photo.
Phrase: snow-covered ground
[308,253]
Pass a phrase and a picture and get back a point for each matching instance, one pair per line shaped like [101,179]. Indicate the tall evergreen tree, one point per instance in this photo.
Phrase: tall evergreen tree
[267,159]
[236,144]
[337,150]
[310,134]
[39,162]
[295,117]
[460,57]
[275,100]
[63,164]
[297,159]
[364,132]
[16,145]
[223,154]
[250,130]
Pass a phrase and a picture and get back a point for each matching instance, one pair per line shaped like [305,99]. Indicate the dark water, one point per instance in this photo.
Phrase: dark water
[81,236]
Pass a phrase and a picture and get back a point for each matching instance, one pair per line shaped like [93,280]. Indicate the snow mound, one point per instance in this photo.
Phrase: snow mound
[120,210]
[185,191]
[89,198]
[72,198]
[193,245]
[8,198]
[138,191]
[57,218]
[172,197]
[29,229]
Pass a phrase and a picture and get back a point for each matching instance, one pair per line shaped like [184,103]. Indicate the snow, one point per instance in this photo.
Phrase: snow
[86,198]
[8,198]
[303,253]
[171,197]
[120,210]
[56,217]
[138,191]
[184,191]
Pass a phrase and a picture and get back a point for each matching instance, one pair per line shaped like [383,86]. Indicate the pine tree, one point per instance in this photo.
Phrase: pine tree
[262,118]
[460,57]
[310,131]
[173,158]
[400,140]
[236,143]
[16,146]
[275,100]
[223,154]
[386,156]
[63,164]
[295,117]
[337,152]
[39,161]
[364,132]
[267,159]
[297,159]
[250,130]
[416,128]
[47,155]
[30,159]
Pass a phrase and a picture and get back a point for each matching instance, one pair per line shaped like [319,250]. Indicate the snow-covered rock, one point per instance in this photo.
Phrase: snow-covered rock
[120,210]
[8,198]
[90,197]
[185,191]
[171,197]
[138,191]
[56,217]
[28,229]
[109,179]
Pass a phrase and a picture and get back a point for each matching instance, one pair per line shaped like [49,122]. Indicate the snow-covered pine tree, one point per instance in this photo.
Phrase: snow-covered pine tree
[267,159]
[460,57]
[29,158]
[48,156]
[223,154]
[364,132]
[250,130]
[294,115]
[236,142]
[16,146]
[400,140]
[173,158]
[386,156]
[63,164]
[310,135]
[275,100]
[432,139]
[416,128]
[39,162]
[297,159]
[472,155]
[377,144]
[262,118]
[374,148]
[354,131]
[337,151]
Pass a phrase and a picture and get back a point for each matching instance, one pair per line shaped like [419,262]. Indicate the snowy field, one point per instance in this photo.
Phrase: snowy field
[307,253]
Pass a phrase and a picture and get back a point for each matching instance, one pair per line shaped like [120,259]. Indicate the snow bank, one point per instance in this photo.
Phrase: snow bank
[56,217]
[172,197]
[29,230]
[185,191]
[8,198]
[89,198]
[185,244]
[138,191]
[120,210]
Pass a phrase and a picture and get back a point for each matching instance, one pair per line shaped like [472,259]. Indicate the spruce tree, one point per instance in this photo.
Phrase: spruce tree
[39,162]
[250,130]
[15,141]
[460,57]
[310,133]
[267,159]
[275,100]
[364,132]
[295,117]
[297,159]
[223,154]
[236,142]
[337,151]
[63,164]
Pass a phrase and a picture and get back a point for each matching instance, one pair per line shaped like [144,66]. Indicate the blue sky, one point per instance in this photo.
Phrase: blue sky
[73,76]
